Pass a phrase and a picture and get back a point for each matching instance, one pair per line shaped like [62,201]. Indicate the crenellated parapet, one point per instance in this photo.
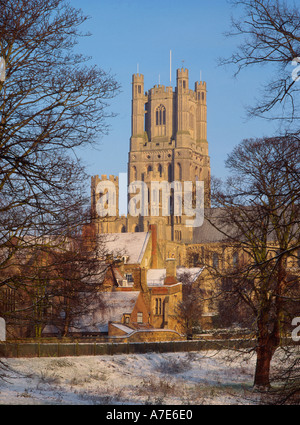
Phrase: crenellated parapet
[103,184]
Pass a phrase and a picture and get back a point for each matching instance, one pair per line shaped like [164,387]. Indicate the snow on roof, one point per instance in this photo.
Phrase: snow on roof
[157,276]
[123,328]
[117,273]
[132,245]
[117,303]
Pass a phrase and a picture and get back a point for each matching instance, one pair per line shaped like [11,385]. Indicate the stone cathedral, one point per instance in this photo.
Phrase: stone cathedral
[168,143]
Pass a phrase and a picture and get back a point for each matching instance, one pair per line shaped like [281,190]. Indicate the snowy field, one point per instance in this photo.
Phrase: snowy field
[195,378]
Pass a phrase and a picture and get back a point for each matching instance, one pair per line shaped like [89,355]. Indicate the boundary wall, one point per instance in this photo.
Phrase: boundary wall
[61,349]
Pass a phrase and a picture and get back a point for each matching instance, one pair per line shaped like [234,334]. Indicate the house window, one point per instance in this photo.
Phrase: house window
[128,277]
[215,261]
[127,319]
[235,259]
[7,300]
[140,317]
[195,259]
[160,114]
[158,306]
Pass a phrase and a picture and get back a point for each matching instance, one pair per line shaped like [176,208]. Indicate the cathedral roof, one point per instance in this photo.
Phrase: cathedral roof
[208,233]
[218,226]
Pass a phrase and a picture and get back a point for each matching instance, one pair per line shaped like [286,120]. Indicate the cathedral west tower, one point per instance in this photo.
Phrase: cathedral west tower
[169,139]
[168,143]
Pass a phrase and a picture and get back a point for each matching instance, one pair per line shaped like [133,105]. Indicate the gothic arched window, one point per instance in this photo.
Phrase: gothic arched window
[179,171]
[160,114]
[134,173]
[170,173]
[160,170]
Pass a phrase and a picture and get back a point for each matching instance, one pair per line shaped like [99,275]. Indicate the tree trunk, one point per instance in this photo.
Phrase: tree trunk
[265,353]
[266,346]
[268,343]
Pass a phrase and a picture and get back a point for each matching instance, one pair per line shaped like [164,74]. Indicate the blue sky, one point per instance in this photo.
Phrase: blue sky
[131,34]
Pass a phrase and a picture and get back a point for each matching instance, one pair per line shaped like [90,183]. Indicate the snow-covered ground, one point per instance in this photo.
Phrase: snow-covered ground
[194,378]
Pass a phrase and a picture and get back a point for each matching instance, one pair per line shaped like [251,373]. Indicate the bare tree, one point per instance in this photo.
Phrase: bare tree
[270,34]
[73,279]
[259,214]
[51,102]
[287,379]
[189,309]
[54,283]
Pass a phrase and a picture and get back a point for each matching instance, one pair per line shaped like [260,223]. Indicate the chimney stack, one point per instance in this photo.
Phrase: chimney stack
[170,272]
